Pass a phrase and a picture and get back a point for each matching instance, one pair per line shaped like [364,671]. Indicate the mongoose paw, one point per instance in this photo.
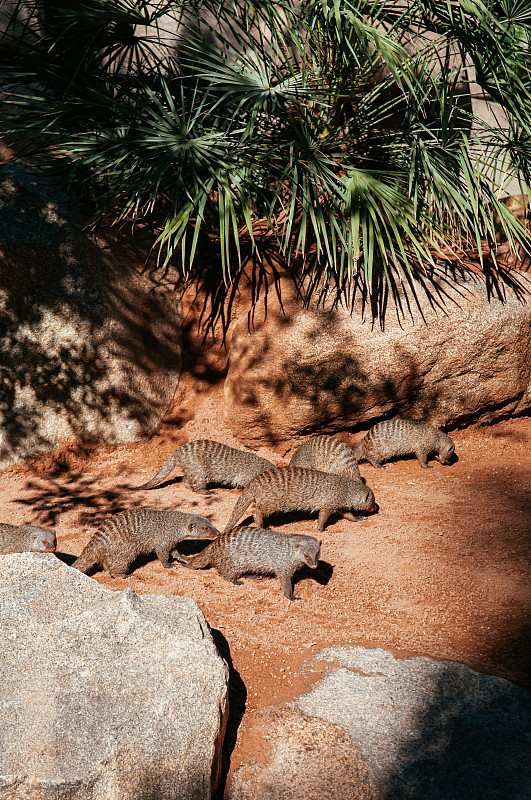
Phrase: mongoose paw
[180,559]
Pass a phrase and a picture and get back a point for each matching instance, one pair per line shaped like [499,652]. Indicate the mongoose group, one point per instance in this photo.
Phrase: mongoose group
[323,476]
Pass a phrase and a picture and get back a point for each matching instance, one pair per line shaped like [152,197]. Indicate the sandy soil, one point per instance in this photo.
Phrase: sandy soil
[442,570]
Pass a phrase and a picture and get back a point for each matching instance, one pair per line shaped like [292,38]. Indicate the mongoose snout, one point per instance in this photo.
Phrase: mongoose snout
[26,538]
[311,559]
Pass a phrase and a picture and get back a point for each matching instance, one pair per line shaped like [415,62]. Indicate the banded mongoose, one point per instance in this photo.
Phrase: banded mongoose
[140,531]
[247,551]
[26,538]
[327,454]
[204,461]
[301,489]
[402,437]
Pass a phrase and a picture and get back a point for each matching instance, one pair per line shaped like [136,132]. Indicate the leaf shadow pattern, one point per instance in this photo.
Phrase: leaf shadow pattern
[320,392]
[52,497]
[321,370]
[90,348]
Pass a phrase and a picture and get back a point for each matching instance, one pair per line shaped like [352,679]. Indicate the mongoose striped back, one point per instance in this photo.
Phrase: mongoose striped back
[300,489]
[402,437]
[328,454]
[246,550]
[204,461]
[125,536]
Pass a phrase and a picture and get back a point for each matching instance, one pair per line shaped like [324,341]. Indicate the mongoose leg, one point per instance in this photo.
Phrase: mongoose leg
[324,513]
[423,460]
[232,576]
[258,516]
[178,557]
[164,558]
[197,482]
[286,586]
[376,463]
[198,487]
[118,569]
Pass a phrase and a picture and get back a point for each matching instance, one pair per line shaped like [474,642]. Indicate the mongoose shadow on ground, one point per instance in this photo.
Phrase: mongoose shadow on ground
[280,518]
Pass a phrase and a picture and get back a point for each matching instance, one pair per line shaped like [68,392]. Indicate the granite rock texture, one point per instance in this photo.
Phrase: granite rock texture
[300,371]
[416,728]
[90,344]
[105,695]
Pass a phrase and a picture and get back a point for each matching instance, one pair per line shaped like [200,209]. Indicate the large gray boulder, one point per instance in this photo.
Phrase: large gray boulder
[104,695]
[380,728]
[300,370]
[90,344]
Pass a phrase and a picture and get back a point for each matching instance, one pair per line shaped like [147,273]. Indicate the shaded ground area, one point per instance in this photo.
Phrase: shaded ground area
[441,571]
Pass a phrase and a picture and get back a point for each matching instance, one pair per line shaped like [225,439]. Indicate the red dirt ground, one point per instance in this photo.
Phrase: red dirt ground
[442,570]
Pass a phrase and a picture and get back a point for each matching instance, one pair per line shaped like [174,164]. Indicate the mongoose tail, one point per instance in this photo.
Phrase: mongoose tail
[243,503]
[163,472]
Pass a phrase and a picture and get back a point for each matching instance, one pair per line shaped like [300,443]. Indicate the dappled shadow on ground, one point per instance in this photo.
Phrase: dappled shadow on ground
[50,498]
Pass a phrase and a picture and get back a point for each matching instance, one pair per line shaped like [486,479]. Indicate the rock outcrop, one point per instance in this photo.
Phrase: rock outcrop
[104,694]
[301,371]
[89,343]
[377,727]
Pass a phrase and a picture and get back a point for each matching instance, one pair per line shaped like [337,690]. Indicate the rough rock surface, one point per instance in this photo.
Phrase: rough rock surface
[89,344]
[419,729]
[325,369]
[104,694]
[307,759]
